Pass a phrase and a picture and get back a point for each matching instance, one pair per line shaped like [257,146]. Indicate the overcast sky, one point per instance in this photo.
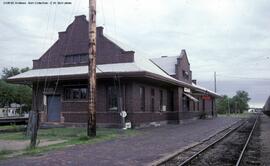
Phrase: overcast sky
[230,37]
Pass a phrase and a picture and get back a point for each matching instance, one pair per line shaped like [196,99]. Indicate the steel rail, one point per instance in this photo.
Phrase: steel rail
[247,142]
[218,140]
[171,157]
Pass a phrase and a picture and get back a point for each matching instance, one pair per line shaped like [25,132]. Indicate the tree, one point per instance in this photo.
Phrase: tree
[6,94]
[24,69]
[23,96]
[237,104]
[9,72]
[240,101]
[11,93]
[224,104]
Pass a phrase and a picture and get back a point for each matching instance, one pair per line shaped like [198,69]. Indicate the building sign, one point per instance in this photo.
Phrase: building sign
[187,90]
[205,97]
[123,114]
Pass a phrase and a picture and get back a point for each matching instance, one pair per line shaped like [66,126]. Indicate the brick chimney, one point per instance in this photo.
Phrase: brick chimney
[100,31]
[80,17]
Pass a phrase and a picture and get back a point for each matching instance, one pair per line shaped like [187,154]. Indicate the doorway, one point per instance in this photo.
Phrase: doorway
[54,108]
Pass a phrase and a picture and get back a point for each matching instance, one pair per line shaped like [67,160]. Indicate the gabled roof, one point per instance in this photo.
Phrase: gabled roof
[166,63]
[142,63]
[207,91]
[141,66]
[74,40]
[50,72]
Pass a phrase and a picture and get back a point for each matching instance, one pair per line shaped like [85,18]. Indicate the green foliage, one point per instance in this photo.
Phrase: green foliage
[236,104]
[241,100]
[24,69]
[4,152]
[84,138]
[9,72]
[223,104]
[12,128]
[10,136]
[11,93]
[6,94]
[69,137]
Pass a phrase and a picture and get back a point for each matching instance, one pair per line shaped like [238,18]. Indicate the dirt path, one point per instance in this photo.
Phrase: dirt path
[20,145]
[142,149]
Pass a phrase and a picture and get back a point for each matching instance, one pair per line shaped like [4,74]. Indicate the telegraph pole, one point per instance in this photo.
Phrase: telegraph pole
[215,87]
[229,106]
[33,119]
[91,123]
[215,81]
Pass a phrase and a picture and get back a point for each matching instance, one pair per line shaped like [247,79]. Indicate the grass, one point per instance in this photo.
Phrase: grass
[13,136]
[77,140]
[12,127]
[63,134]
[72,136]
[5,152]
[238,115]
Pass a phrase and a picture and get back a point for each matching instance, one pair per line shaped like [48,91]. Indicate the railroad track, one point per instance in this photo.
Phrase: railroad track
[239,161]
[187,156]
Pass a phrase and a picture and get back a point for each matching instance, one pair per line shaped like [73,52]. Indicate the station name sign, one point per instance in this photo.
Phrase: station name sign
[205,97]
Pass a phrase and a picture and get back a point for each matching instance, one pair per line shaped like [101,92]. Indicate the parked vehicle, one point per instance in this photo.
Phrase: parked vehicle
[8,112]
[254,110]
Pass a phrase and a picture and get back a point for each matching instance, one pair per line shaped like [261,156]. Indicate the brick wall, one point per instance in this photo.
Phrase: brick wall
[183,64]
[75,41]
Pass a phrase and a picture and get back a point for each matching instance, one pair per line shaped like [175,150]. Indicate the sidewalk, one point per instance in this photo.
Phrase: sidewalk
[143,149]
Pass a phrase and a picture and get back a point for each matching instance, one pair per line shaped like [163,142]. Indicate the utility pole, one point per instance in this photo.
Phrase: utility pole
[235,107]
[33,119]
[215,84]
[215,81]
[229,106]
[91,123]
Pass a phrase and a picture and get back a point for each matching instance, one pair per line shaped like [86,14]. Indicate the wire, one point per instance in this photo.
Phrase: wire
[66,49]
[75,8]
[38,80]
[114,17]
[99,69]
[241,77]
[103,13]
[49,54]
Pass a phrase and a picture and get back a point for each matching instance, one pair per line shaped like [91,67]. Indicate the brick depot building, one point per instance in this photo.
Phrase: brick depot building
[157,90]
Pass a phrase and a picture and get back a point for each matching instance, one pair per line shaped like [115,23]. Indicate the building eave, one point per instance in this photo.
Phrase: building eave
[135,74]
